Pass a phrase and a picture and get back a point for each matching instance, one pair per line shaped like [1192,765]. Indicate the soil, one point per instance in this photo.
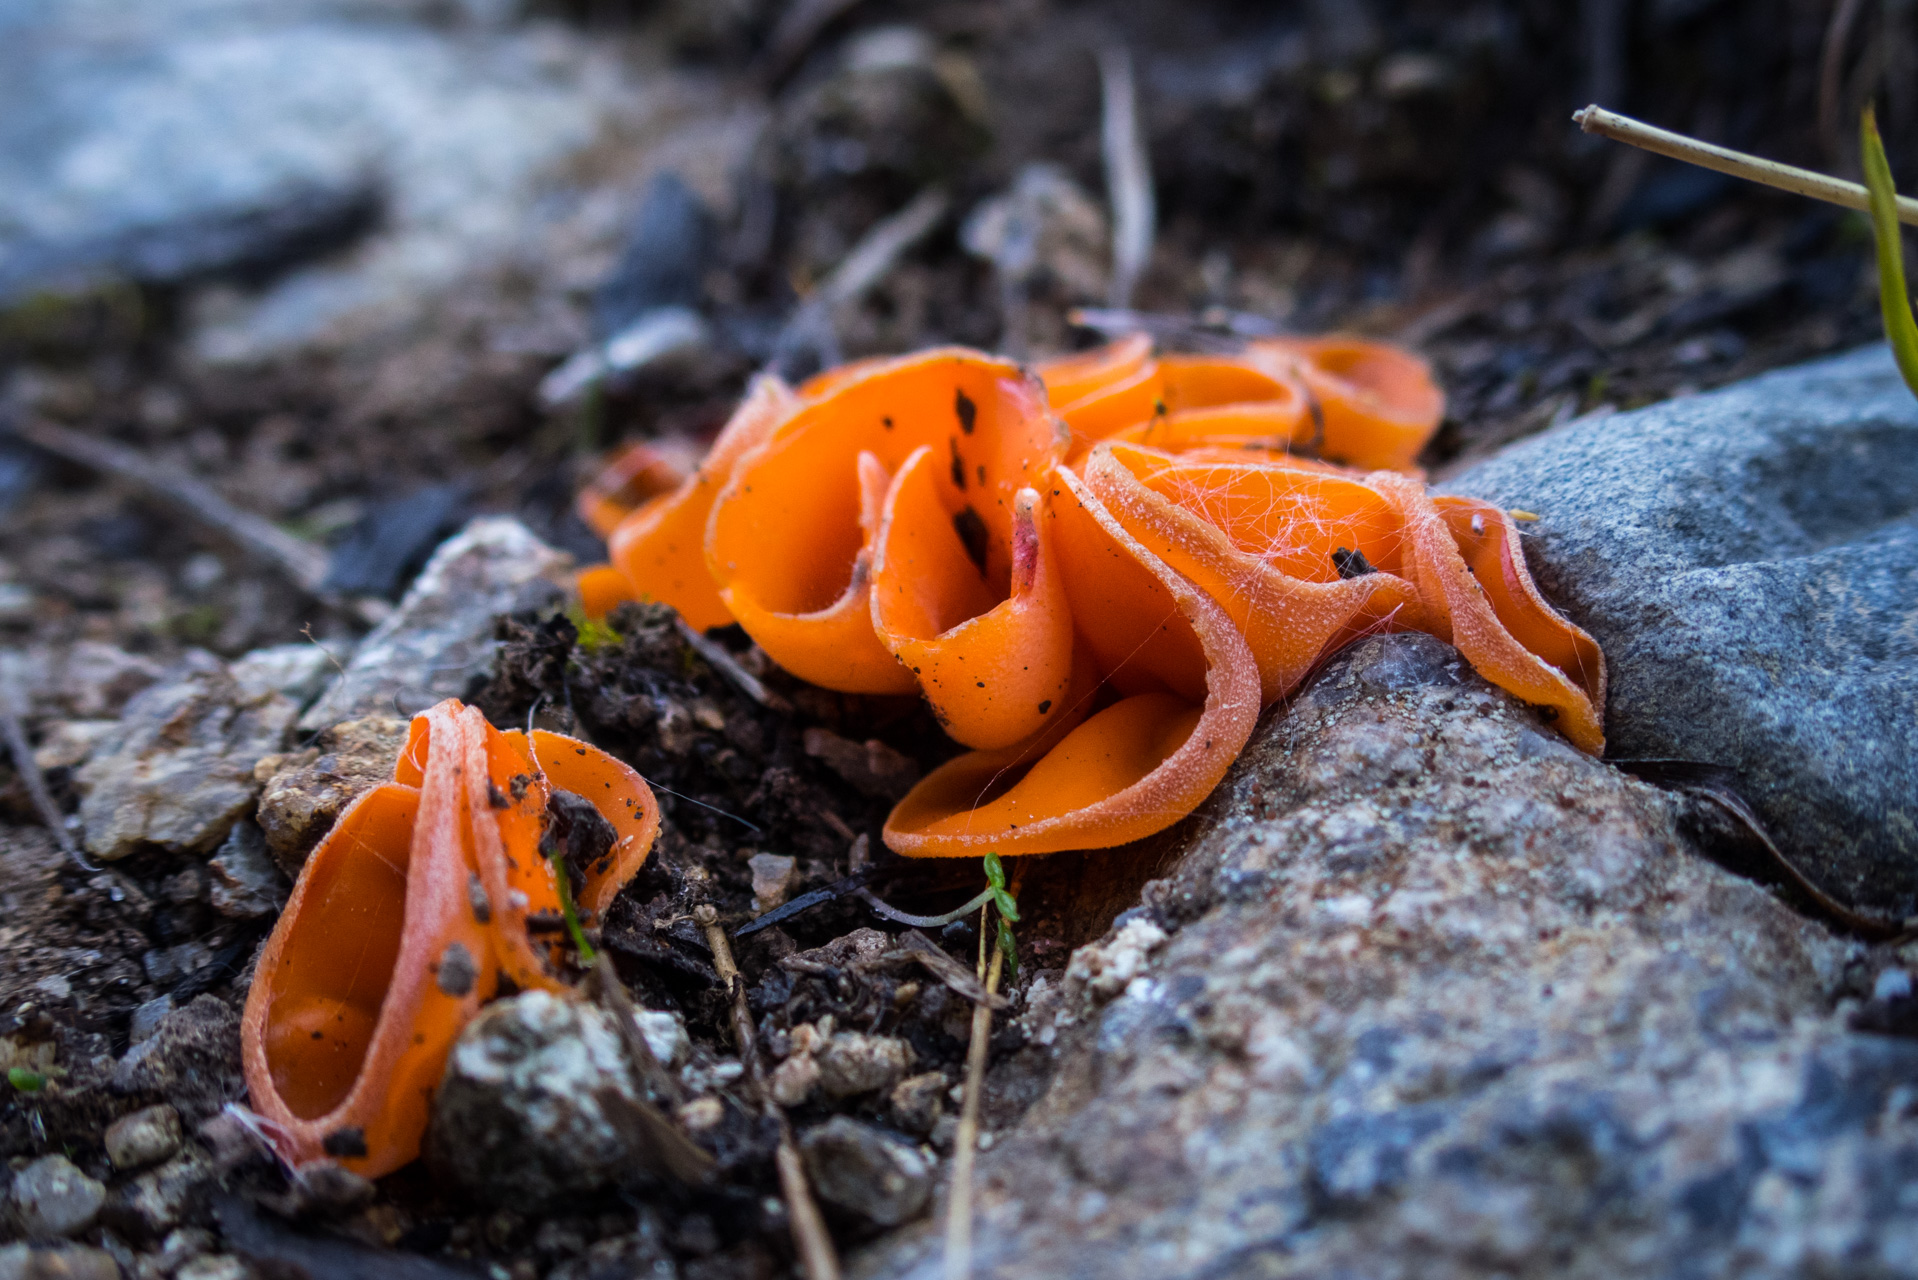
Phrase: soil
[1405,170]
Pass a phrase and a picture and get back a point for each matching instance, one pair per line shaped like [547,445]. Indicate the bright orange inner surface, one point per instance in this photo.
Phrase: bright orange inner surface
[1096,576]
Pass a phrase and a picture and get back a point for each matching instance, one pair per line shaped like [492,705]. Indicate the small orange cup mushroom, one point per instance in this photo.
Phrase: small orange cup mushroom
[1069,379]
[992,670]
[1189,700]
[1378,403]
[633,475]
[405,919]
[1276,547]
[660,548]
[1465,559]
[790,539]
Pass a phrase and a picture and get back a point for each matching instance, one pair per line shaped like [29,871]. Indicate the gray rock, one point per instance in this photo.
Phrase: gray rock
[303,794]
[161,1198]
[866,1171]
[1441,997]
[1748,559]
[535,1102]
[192,1057]
[441,637]
[62,1262]
[147,1018]
[297,670]
[52,1198]
[180,139]
[167,965]
[144,1137]
[214,1266]
[246,882]
[88,681]
[67,743]
[180,768]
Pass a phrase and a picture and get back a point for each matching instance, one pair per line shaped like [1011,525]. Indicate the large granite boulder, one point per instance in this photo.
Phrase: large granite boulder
[1433,995]
[1749,561]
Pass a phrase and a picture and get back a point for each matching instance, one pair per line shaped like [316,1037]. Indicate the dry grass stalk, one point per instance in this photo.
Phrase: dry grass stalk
[1803,182]
[300,561]
[810,1237]
[14,730]
[959,1205]
[1128,174]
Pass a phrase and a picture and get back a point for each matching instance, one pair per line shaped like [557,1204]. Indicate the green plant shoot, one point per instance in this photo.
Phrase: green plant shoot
[567,911]
[1901,330]
[592,635]
[26,1081]
[1008,909]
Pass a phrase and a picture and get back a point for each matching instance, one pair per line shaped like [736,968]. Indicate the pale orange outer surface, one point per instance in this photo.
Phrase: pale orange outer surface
[405,919]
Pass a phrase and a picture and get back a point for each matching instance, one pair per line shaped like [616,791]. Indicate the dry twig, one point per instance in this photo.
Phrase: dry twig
[810,1236]
[300,561]
[13,728]
[878,251]
[672,1150]
[727,665]
[1128,174]
[959,1204]
[917,947]
[1610,124]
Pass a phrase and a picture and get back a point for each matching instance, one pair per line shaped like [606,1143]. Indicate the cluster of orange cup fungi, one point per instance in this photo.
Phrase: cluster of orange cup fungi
[424,899]
[1097,572]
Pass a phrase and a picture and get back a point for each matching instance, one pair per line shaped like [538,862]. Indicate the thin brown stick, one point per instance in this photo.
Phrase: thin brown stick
[300,561]
[871,260]
[1785,177]
[959,1204]
[671,1149]
[810,1237]
[14,729]
[619,1002]
[1128,168]
[727,665]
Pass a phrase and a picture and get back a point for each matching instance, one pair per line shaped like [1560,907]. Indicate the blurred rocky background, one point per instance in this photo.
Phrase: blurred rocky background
[369,269]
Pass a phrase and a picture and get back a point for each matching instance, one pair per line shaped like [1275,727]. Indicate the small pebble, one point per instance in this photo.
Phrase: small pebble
[184,1244]
[772,880]
[65,1262]
[52,1197]
[1892,984]
[702,1114]
[159,1197]
[146,1018]
[213,1266]
[916,1102]
[853,1063]
[867,1171]
[145,1137]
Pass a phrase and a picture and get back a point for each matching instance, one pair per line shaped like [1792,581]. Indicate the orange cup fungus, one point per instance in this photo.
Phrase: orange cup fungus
[416,908]
[1097,572]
